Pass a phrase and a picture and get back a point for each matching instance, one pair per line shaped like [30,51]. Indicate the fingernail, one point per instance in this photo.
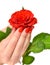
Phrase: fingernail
[27,30]
[31,29]
[21,29]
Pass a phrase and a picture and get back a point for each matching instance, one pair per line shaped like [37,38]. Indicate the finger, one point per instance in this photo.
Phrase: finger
[12,43]
[17,52]
[11,34]
[5,42]
[26,44]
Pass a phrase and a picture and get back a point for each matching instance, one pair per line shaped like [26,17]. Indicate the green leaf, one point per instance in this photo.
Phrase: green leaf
[38,43]
[45,38]
[8,31]
[37,47]
[3,35]
[28,59]
[40,36]
[47,42]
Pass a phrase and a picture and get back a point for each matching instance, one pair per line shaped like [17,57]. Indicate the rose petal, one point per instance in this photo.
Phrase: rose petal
[34,21]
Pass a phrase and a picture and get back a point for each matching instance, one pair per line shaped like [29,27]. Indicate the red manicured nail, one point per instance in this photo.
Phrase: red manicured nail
[27,29]
[21,29]
[31,29]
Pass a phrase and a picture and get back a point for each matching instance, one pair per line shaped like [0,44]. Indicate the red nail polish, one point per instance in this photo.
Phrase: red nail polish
[31,29]
[21,29]
[27,29]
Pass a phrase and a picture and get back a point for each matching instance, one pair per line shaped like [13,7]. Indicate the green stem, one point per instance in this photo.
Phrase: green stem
[22,64]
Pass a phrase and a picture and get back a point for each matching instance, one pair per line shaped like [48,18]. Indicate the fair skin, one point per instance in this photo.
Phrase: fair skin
[14,46]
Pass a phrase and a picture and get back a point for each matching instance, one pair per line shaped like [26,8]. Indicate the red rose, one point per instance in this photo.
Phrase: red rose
[23,18]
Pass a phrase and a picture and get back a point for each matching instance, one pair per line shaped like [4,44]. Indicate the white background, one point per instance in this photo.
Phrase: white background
[41,10]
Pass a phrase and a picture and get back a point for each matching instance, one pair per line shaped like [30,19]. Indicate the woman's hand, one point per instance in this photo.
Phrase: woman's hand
[14,46]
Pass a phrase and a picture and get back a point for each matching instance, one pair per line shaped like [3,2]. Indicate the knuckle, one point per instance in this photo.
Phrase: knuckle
[23,35]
